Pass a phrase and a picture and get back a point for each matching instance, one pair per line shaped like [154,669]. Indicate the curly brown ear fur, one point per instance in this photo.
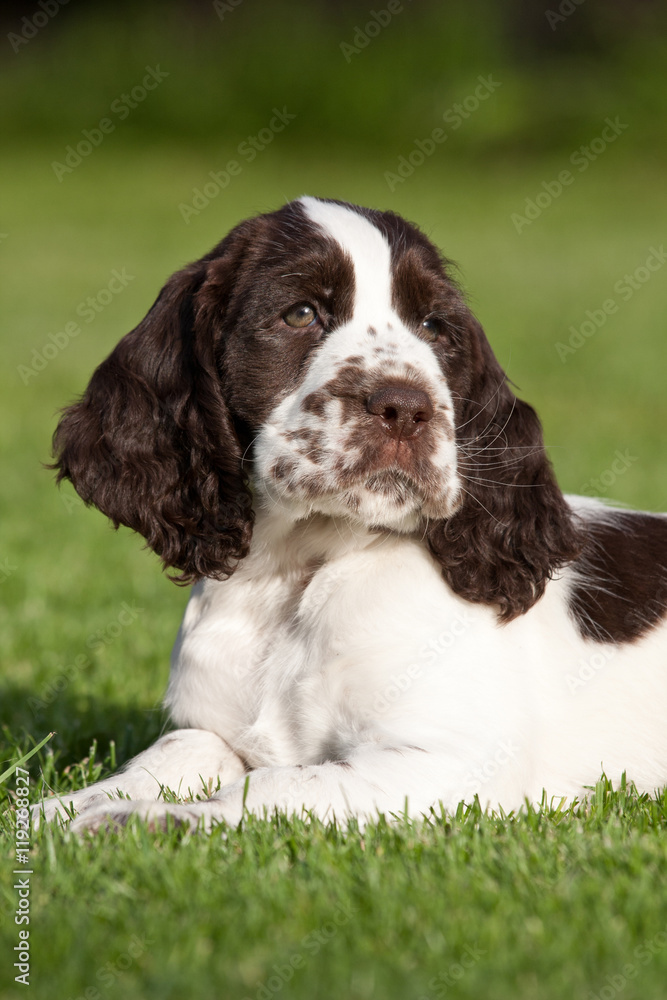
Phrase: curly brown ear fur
[151,442]
[514,527]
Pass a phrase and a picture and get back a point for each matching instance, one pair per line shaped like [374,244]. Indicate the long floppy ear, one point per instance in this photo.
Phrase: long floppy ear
[514,527]
[151,443]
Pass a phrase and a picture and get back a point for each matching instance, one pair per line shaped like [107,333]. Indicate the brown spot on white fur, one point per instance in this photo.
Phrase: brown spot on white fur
[620,588]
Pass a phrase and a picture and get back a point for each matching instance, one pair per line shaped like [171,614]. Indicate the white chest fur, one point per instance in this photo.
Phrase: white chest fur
[326,638]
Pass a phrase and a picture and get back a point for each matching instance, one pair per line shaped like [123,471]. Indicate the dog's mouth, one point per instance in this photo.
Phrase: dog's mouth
[387,498]
[393,496]
[394,485]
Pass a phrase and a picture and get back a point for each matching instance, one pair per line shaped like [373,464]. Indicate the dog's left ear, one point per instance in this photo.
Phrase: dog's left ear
[514,527]
[152,442]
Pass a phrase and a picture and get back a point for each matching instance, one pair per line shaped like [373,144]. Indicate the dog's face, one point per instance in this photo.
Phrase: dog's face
[336,348]
[324,353]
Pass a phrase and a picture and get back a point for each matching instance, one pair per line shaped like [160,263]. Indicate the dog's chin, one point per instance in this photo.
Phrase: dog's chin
[385,500]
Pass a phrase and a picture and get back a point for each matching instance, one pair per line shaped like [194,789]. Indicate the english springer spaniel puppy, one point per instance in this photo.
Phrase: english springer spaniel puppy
[394,606]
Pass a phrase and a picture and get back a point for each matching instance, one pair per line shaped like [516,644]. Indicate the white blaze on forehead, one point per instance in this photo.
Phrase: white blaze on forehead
[326,469]
[368,249]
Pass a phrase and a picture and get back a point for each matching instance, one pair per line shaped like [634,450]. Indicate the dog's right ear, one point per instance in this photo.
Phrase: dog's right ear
[514,528]
[151,443]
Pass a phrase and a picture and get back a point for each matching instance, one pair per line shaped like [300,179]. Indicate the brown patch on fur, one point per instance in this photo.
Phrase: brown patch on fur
[352,501]
[315,402]
[621,592]
[314,453]
[289,259]
[302,434]
[309,572]
[312,443]
[299,585]
[283,468]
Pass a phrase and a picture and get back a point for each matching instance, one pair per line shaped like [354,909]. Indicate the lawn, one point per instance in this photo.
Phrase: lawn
[562,902]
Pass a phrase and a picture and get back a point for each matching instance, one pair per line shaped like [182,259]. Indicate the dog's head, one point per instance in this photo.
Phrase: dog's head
[322,357]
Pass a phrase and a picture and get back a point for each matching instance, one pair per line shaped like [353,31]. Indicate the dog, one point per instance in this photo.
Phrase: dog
[394,606]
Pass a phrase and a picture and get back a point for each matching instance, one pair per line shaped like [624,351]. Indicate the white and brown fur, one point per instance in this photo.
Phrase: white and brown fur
[394,605]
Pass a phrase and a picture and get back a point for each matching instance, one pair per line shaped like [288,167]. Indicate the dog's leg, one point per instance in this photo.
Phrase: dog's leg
[184,762]
[370,782]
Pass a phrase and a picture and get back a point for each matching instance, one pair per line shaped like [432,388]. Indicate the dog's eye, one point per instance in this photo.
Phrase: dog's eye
[300,316]
[432,327]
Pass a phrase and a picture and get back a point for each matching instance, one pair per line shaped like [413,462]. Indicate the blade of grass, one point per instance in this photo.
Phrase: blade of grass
[24,758]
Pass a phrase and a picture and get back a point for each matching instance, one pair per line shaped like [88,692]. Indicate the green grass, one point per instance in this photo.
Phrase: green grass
[549,904]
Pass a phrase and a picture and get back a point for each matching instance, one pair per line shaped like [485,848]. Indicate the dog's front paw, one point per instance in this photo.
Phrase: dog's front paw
[63,807]
[159,816]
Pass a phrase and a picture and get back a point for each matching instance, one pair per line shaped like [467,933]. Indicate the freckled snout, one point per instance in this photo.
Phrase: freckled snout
[402,410]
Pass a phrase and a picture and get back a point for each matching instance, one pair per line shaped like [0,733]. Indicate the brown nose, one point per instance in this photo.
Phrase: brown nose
[402,410]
